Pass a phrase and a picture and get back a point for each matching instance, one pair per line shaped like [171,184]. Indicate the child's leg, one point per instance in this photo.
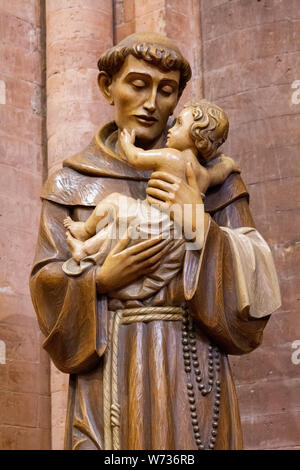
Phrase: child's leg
[94,244]
[103,214]
[84,230]
[80,249]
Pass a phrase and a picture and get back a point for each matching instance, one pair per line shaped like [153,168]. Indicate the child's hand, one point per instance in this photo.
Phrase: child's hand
[222,169]
[130,135]
[230,163]
[126,139]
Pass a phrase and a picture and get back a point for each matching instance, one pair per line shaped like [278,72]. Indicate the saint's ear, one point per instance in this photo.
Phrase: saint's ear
[104,82]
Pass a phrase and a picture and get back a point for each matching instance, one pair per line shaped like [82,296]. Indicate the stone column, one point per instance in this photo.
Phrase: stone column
[78,31]
[24,367]
[183,25]
[252,68]
[176,19]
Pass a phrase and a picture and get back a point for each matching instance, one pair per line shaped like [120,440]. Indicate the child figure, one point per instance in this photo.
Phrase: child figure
[196,136]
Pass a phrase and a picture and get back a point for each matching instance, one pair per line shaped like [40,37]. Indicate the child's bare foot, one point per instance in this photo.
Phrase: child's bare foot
[75,247]
[76,229]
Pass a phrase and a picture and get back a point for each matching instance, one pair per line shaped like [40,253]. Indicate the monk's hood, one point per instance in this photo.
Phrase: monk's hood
[83,177]
[98,160]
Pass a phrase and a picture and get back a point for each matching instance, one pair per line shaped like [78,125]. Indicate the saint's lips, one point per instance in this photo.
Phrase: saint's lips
[146,119]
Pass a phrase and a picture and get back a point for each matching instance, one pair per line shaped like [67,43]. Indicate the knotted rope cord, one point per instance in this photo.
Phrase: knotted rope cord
[107,390]
[110,376]
[115,407]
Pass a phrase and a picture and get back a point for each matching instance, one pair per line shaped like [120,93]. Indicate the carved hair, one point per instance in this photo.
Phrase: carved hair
[159,55]
[210,128]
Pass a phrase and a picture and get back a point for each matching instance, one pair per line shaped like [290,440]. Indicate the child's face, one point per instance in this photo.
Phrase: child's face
[179,135]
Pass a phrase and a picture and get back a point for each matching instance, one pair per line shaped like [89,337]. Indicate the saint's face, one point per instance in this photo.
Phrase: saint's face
[144,98]
[179,135]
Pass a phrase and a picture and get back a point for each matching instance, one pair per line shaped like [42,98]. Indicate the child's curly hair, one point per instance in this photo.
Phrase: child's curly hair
[210,128]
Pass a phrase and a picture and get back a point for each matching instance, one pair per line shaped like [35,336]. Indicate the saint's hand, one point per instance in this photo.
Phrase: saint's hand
[182,200]
[124,265]
[166,190]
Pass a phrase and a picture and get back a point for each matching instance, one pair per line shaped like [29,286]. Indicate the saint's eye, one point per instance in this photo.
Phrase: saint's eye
[167,90]
[138,83]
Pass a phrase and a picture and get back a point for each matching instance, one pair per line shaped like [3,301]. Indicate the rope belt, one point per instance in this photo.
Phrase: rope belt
[146,314]
[110,375]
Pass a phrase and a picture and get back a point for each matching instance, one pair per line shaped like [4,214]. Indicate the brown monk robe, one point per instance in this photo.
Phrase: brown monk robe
[174,385]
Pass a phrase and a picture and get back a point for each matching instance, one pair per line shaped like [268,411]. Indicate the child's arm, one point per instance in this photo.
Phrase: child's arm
[137,157]
[219,172]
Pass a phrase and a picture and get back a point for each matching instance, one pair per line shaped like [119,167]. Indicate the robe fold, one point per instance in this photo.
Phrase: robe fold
[228,300]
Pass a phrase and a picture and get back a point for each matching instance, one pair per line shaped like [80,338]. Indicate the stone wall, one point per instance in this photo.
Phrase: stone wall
[244,56]
[24,366]
[251,58]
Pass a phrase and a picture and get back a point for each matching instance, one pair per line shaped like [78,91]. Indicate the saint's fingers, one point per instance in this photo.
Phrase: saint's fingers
[162,175]
[151,251]
[160,184]
[160,194]
[159,204]
[122,243]
[153,260]
[139,247]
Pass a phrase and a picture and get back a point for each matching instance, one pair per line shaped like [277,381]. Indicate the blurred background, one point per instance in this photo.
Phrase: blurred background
[245,56]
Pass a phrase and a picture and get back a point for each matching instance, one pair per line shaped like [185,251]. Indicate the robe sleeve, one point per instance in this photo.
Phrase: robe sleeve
[66,307]
[231,285]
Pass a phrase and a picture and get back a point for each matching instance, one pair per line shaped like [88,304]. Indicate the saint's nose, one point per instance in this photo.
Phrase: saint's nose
[150,104]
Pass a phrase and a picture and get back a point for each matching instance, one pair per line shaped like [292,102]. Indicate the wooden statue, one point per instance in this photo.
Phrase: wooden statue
[201,120]
[161,273]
